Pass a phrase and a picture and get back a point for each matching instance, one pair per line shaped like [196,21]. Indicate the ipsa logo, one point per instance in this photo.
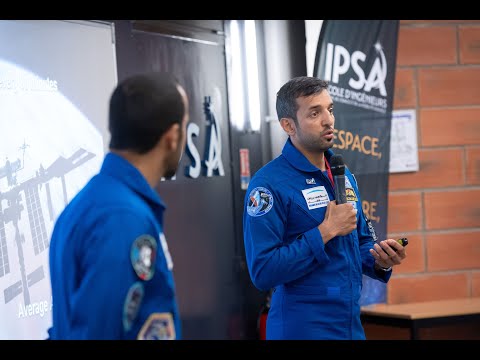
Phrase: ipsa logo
[339,61]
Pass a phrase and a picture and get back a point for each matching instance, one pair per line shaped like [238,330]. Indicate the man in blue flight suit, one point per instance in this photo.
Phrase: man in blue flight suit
[311,251]
[110,268]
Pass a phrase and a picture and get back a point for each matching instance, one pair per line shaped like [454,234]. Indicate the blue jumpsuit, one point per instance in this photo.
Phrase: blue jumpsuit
[316,287]
[110,269]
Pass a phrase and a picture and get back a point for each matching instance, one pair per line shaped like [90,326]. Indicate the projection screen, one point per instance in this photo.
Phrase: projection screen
[56,78]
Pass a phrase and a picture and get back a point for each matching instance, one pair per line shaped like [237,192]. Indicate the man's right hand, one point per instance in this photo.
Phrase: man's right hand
[339,219]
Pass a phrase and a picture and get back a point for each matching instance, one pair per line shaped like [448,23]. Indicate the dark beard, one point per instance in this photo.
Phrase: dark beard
[170,173]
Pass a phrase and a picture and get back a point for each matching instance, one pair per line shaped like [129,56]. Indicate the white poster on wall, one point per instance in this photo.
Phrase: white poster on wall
[403,142]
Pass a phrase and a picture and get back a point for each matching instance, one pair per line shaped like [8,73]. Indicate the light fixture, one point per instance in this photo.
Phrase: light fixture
[244,92]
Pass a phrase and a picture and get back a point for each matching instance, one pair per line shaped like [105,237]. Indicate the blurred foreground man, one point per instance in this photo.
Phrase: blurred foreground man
[110,268]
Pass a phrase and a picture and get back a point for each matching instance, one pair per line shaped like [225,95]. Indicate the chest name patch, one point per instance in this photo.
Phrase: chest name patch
[316,197]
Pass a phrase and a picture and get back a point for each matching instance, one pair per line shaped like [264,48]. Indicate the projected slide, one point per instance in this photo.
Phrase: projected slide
[55,81]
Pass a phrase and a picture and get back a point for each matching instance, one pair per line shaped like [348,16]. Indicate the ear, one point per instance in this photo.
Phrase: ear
[288,126]
[172,137]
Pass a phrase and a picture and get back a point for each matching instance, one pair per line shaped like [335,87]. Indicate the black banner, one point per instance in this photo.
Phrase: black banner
[198,228]
[358,58]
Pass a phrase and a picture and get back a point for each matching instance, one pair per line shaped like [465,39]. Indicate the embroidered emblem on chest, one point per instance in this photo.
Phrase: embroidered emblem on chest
[350,193]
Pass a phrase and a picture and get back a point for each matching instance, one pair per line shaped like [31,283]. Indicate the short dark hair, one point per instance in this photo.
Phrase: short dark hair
[142,108]
[297,87]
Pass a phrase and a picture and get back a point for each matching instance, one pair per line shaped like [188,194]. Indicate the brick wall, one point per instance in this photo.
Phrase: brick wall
[438,207]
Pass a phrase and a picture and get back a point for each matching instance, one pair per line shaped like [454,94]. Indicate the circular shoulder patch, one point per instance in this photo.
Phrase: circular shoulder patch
[132,305]
[143,255]
[260,201]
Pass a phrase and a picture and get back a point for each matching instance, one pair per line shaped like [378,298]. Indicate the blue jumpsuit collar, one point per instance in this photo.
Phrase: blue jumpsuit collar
[298,160]
[122,170]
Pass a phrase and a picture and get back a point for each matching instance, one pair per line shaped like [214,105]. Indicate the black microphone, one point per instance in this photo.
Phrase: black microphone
[337,166]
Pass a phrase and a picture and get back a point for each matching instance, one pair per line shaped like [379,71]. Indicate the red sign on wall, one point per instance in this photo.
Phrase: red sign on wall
[244,168]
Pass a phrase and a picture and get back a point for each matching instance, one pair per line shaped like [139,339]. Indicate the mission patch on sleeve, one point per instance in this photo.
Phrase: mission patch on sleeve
[143,255]
[159,326]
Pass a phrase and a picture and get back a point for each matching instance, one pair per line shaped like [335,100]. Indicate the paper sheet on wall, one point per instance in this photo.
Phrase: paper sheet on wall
[403,142]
